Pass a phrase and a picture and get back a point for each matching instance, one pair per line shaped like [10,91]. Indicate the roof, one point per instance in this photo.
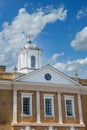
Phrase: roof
[83,82]
[30,46]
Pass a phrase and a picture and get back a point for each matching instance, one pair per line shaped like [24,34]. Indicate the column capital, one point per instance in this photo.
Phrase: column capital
[79,93]
[37,91]
[59,92]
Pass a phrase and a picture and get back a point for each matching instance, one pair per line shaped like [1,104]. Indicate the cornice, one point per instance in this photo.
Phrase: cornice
[48,87]
[47,124]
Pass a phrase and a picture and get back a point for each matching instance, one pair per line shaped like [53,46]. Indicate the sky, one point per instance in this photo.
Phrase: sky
[59,27]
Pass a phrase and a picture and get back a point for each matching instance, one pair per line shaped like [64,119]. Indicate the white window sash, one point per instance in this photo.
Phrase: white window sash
[27,95]
[73,107]
[49,96]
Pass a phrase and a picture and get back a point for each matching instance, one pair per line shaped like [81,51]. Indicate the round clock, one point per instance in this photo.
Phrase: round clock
[47,76]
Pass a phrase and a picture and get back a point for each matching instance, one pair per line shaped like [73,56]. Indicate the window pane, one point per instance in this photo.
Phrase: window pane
[32,61]
[69,108]
[48,107]
[26,106]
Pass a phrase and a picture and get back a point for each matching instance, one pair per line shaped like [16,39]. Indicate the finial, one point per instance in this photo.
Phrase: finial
[14,68]
[76,75]
[29,41]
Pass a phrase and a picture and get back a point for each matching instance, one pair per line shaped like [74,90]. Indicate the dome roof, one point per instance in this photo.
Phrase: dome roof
[30,46]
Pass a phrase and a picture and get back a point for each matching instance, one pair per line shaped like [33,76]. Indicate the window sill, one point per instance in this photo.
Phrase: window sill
[49,116]
[72,117]
[26,115]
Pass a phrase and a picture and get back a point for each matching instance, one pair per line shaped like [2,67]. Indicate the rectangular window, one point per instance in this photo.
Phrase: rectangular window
[48,105]
[26,104]
[69,106]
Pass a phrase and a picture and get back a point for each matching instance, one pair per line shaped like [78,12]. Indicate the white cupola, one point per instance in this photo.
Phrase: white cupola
[29,58]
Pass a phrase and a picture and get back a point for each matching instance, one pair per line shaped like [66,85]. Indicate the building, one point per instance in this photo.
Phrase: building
[41,98]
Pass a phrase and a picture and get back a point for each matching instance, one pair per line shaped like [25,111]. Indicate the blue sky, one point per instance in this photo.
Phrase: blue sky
[59,27]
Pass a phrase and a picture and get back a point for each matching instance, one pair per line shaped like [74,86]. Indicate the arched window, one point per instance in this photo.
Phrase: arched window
[33,61]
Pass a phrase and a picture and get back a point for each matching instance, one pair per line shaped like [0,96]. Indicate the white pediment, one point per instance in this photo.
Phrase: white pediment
[38,76]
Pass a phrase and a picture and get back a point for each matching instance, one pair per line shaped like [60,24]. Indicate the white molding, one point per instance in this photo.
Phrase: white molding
[67,97]
[29,95]
[53,124]
[49,96]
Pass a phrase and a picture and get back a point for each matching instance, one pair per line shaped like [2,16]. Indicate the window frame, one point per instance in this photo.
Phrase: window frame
[49,96]
[26,95]
[33,62]
[73,106]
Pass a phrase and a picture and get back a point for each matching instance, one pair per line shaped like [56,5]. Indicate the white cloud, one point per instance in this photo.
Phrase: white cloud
[82,12]
[14,34]
[56,56]
[70,67]
[80,41]
[53,59]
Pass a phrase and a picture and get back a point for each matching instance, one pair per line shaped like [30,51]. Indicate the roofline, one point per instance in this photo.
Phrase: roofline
[61,73]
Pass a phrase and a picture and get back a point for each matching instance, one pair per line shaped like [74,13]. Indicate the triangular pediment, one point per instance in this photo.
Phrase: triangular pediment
[47,74]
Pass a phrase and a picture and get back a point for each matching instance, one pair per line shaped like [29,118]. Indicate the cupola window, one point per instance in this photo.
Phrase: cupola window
[33,61]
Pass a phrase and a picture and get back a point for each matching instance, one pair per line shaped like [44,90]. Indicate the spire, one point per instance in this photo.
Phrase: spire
[29,41]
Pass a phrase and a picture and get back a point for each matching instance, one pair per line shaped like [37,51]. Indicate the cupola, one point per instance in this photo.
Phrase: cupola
[29,57]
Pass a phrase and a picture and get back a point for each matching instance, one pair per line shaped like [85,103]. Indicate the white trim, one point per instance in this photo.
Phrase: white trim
[47,124]
[80,109]
[60,108]
[49,96]
[14,106]
[28,95]
[66,97]
[38,106]
[53,69]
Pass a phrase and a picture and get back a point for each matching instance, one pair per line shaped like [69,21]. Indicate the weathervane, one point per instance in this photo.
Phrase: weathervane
[30,38]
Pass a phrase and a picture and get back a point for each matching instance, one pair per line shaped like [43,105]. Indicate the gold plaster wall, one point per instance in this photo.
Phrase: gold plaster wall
[48,119]
[19,110]
[44,119]
[6,101]
[70,120]
[84,109]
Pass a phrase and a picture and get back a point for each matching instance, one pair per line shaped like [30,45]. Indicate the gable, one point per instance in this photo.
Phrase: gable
[40,76]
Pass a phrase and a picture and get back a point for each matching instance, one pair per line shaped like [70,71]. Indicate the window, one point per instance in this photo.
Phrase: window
[33,61]
[48,105]
[26,104]
[69,106]
[24,59]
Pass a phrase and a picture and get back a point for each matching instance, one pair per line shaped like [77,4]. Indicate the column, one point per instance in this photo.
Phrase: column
[50,128]
[60,108]
[80,109]
[27,128]
[38,106]
[14,106]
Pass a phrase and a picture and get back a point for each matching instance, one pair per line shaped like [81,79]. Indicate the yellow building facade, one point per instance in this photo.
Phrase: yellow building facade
[42,105]
[41,98]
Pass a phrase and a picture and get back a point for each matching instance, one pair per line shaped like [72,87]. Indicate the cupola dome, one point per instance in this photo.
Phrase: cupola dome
[29,57]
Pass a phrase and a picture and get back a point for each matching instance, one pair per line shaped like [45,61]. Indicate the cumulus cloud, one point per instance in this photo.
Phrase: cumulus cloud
[52,61]
[80,41]
[55,57]
[70,67]
[82,13]
[13,35]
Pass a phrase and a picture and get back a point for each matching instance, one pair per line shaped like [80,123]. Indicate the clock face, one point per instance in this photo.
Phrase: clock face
[47,76]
